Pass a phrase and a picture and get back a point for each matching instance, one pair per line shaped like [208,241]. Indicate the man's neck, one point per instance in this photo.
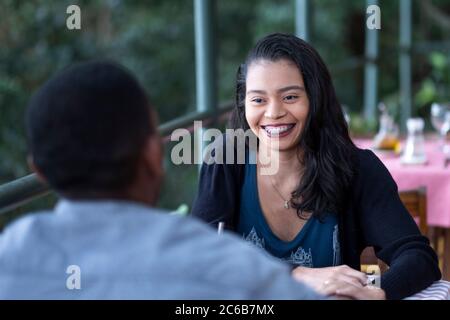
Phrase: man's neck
[112,195]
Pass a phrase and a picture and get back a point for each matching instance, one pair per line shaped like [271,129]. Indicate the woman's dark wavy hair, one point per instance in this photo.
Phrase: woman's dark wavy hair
[327,148]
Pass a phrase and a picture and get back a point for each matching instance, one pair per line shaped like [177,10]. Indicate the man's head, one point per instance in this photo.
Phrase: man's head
[92,133]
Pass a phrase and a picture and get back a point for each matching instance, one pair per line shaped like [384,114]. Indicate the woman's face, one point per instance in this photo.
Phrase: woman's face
[276,103]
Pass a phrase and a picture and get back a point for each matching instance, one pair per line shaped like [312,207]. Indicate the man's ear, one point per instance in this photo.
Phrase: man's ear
[35,169]
[153,155]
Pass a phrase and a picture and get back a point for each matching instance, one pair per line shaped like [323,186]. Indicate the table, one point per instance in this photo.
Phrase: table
[439,290]
[432,175]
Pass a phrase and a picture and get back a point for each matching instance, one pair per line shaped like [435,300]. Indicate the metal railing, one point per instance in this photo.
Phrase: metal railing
[21,191]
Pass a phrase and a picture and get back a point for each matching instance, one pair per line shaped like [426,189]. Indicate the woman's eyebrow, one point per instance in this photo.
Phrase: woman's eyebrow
[281,90]
[256,91]
[295,87]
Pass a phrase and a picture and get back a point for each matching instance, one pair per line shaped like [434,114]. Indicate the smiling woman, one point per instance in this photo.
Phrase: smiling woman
[276,104]
[328,200]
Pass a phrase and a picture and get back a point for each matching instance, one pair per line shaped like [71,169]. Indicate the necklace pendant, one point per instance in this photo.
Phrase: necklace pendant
[286,204]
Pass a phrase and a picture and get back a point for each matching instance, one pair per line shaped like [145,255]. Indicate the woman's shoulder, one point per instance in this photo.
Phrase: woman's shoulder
[369,169]
[367,160]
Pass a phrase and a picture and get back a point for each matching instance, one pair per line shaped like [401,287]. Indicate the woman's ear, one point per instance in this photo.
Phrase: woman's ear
[153,156]
[35,169]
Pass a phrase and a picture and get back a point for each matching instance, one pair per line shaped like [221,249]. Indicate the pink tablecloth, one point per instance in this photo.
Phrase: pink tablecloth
[433,175]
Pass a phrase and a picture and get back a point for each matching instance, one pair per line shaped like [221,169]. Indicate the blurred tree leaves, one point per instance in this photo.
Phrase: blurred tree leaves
[152,39]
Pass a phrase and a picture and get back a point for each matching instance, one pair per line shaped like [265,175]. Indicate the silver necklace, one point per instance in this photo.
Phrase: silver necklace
[286,202]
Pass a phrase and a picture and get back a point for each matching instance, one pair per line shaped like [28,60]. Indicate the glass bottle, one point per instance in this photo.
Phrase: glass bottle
[414,152]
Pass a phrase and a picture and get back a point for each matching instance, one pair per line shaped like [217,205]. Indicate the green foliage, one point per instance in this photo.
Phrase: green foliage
[427,93]
[154,39]
[435,86]
[359,126]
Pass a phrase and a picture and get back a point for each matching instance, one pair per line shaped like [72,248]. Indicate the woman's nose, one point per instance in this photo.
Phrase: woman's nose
[275,110]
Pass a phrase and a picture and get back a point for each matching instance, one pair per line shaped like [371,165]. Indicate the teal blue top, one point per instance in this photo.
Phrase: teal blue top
[316,245]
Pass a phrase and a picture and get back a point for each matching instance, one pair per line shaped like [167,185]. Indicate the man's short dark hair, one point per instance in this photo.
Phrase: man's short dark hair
[86,128]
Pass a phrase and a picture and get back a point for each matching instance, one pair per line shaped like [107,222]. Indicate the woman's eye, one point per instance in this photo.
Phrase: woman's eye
[257,100]
[290,97]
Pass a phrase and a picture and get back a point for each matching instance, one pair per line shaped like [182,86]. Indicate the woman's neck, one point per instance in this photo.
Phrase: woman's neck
[289,163]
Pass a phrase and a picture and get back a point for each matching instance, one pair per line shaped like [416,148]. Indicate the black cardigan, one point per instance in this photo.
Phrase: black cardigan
[375,216]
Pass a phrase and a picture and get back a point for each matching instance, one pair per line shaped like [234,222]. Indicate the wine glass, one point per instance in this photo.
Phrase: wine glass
[438,113]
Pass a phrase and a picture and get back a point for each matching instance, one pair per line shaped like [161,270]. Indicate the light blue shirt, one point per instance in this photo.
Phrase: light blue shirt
[124,250]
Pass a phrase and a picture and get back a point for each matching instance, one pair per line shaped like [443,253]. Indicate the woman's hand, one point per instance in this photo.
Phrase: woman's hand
[344,290]
[316,277]
[341,281]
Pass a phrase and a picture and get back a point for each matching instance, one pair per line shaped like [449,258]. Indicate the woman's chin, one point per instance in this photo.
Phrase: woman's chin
[277,145]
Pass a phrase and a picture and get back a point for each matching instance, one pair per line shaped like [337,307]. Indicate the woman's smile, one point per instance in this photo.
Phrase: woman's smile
[278,130]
